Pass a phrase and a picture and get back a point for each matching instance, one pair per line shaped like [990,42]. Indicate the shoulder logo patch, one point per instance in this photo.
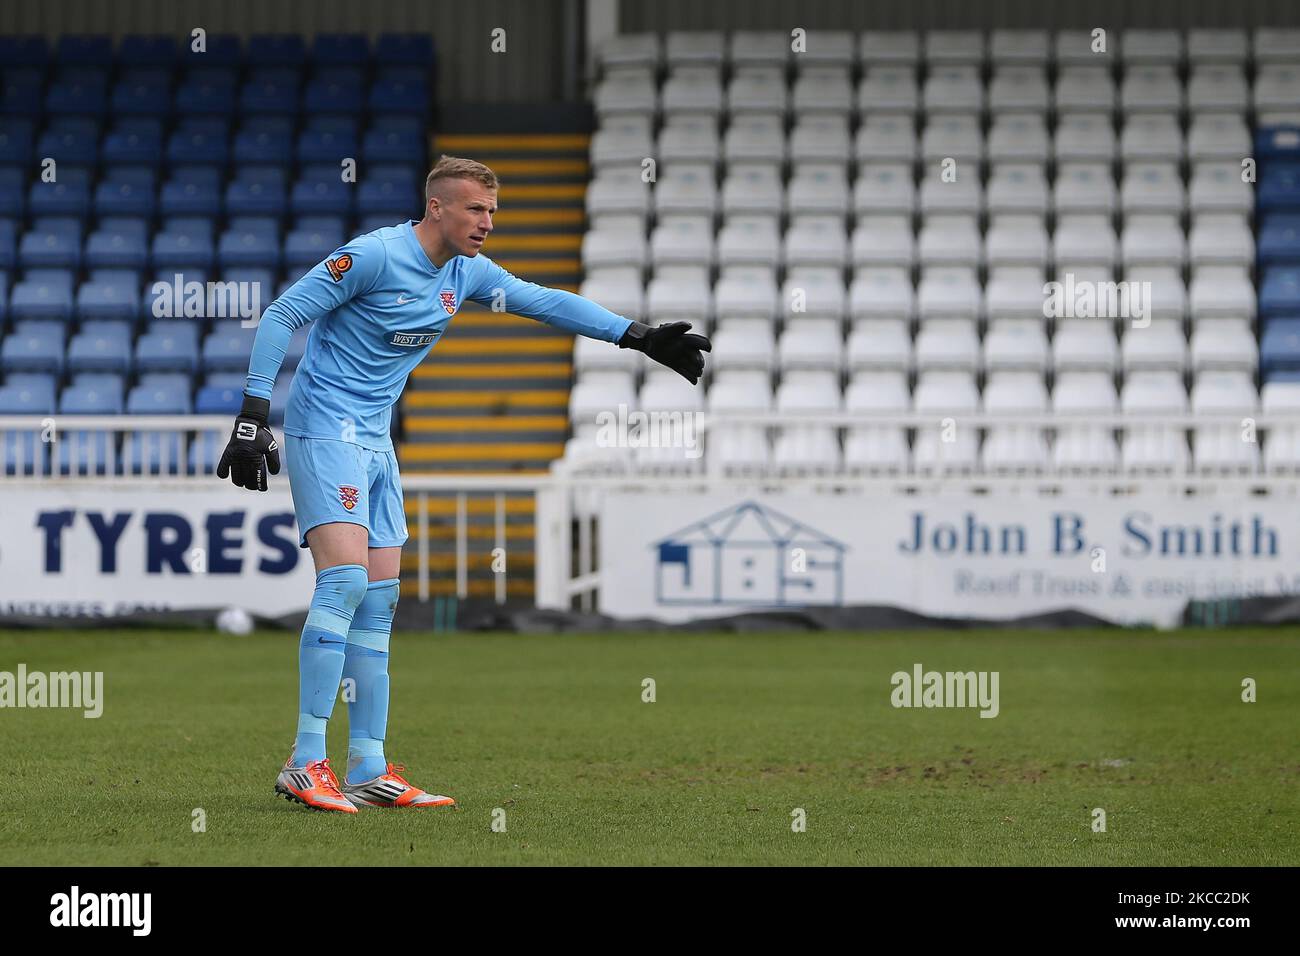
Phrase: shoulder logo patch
[338,266]
[348,495]
[448,298]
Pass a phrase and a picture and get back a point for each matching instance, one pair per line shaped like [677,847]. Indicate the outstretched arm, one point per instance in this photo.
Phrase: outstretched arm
[670,345]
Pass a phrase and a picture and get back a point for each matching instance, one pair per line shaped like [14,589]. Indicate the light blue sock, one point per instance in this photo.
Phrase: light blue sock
[320,655]
[366,665]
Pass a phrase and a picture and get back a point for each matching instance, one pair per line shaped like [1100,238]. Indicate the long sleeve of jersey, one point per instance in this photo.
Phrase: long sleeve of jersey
[554,307]
[348,272]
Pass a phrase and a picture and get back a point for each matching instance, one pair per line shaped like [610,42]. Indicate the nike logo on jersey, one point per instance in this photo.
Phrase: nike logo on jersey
[403,300]
[411,340]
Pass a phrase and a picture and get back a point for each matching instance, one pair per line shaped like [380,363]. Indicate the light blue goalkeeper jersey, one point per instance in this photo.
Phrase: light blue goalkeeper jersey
[379,306]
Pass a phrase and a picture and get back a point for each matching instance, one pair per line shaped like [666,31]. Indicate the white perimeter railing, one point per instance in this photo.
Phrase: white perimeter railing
[567,500]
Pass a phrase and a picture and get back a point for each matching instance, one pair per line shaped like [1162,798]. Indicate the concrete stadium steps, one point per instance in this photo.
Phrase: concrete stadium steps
[480,539]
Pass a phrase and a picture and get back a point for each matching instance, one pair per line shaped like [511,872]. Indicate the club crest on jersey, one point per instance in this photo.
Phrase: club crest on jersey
[348,495]
[448,297]
[338,266]
[414,340]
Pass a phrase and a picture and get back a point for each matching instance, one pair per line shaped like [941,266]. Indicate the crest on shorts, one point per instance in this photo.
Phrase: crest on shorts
[348,495]
[448,297]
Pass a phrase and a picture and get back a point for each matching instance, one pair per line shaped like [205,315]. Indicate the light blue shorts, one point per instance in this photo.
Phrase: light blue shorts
[339,481]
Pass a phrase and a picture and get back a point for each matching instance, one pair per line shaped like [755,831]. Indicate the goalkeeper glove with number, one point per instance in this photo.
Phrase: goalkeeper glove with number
[252,450]
[669,345]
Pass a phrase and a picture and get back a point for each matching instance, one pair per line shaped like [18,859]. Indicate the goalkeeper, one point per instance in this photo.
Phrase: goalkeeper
[380,303]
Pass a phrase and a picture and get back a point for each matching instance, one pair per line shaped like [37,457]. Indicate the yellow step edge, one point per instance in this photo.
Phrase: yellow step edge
[506,167]
[546,241]
[487,423]
[477,505]
[548,191]
[525,399]
[470,345]
[513,141]
[475,562]
[445,532]
[548,217]
[480,589]
[493,370]
[523,268]
[501,451]
[469,474]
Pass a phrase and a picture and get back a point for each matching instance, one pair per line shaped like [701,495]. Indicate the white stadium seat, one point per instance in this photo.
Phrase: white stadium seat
[1017,188]
[1225,448]
[1152,188]
[892,47]
[743,344]
[827,48]
[952,137]
[820,139]
[1084,89]
[1016,241]
[756,90]
[818,190]
[755,139]
[950,241]
[1221,291]
[695,48]
[815,292]
[1153,240]
[641,50]
[1218,187]
[1012,448]
[882,293]
[688,139]
[687,190]
[1219,239]
[604,246]
[886,139]
[954,47]
[1085,345]
[692,90]
[953,89]
[1082,240]
[682,240]
[879,343]
[765,48]
[747,292]
[618,192]
[623,140]
[1224,344]
[822,90]
[888,89]
[810,344]
[1149,448]
[749,240]
[1151,138]
[1161,345]
[1147,47]
[752,190]
[1014,292]
[678,293]
[1218,137]
[1019,138]
[1282,442]
[816,241]
[1084,138]
[618,290]
[1082,447]
[945,446]
[1150,89]
[1217,46]
[883,241]
[1016,344]
[1084,188]
[965,196]
[947,343]
[884,189]
[1218,88]
[1022,47]
[948,293]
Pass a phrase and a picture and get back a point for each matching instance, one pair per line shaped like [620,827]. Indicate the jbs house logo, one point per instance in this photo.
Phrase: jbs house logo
[448,298]
[348,495]
[411,340]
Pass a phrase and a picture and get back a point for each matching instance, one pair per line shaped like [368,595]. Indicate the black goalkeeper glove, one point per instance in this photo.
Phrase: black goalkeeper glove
[252,450]
[669,345]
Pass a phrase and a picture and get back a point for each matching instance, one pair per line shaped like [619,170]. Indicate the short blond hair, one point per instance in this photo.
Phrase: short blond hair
[454,167]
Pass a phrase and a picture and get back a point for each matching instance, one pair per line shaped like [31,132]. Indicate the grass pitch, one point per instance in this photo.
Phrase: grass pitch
[744,730]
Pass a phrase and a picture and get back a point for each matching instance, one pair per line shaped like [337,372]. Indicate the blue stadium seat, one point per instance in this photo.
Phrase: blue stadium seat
[75,147]
[191,147]
[136,174]
[147,50]
[42,294]
[196,227]
[69,226]
[233,380]
[220,49]
[49,250]
[330,225]
[218,401]
[142,94]
[276,49]
[169,345]
[21,99]
[398,123]
[92,395]
[83,74]
[33,347]
[332,96]
[8,246]
[254,199]
[331,197]
[411,49]
[153,452]
[321,173]
[132,146]
[327,147]
[400,174]
[228,347]
[210,97]
[179,198]
[268,226]
[372,221]
[101,347]
[387,199]
[274,176]
[28,393]
[1278,188]
[1279,292]
[4,299]
[247,248]
[340,49]
[263,277]
[76,98]
[399,96]
[1277,143]
[13,192]
[276,125]
[160,393]
[1279,240]
[118,198]
[62,198]
[304,248]
[24,50]
[341,124]
[181,251]
[392,146]
[109,299]
[91,49]
[269,95]
[1279,347]
[263,147]
[113,249]
[17,142]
